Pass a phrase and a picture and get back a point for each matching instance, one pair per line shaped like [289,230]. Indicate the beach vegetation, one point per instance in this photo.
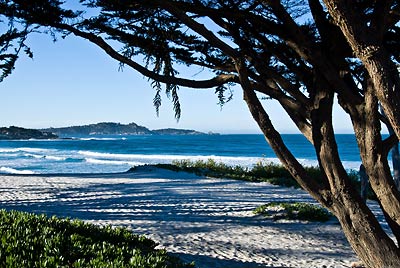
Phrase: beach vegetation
[308,56]
[262,171]
[30,240]
[293,211]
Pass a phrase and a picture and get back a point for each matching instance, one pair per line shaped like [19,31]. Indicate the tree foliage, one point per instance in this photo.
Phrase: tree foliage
[301,53]
[12,41]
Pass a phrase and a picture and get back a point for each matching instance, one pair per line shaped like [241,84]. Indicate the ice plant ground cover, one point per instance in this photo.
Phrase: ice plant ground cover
[30,240]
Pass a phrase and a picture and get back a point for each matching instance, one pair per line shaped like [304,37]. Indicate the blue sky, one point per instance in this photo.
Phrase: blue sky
[72,82]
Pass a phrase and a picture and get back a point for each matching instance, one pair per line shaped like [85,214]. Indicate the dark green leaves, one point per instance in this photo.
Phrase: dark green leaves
[29,240]
[220,91]
[11,43]
[293,211]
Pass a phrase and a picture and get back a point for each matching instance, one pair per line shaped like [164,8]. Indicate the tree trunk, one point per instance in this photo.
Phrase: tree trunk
[318,190]
[381,182]
[363,231]
[395,162]
[367,127]
[367,43]
[363,182]
[395,155]
[396,165]
[365,235]
[360,226]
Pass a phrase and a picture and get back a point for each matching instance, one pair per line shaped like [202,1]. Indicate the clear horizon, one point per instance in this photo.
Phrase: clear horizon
[72,82]
[84,124]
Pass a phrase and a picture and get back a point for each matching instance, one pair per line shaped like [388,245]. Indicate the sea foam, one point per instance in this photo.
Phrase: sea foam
[111,162]
[15,171]
[26,149]
[141,159]
[114,154]
[100,139]
[9,150]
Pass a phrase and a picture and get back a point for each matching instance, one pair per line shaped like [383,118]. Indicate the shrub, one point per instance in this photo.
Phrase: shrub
[29,240]
[293,211]
[268,172]
[262,171]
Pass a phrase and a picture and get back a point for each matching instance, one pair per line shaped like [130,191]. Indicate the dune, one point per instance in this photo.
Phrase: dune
[206,220]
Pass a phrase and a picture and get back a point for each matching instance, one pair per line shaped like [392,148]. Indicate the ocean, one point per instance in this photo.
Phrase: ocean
[105,154]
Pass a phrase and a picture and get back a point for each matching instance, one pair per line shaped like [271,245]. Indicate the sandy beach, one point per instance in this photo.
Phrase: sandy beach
[206,220]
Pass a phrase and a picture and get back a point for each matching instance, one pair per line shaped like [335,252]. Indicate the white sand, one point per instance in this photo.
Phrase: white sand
[206,220]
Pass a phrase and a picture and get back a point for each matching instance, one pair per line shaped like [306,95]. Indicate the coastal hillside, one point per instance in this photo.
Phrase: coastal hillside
[175,131]
[19,133]
[105,128]
[109,128]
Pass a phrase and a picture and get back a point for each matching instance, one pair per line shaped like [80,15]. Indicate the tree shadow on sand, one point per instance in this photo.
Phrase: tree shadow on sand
[168,207]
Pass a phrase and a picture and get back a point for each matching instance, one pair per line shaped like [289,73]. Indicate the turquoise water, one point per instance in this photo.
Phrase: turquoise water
[119,153]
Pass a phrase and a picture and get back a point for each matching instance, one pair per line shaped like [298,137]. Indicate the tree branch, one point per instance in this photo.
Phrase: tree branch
[319,191]
[97,40]
[388,143]
[299,114]
[380,19]
[199,28]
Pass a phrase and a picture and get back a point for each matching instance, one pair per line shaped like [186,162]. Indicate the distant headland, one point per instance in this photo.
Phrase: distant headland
[19,133]
[104,128]
[111,128]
